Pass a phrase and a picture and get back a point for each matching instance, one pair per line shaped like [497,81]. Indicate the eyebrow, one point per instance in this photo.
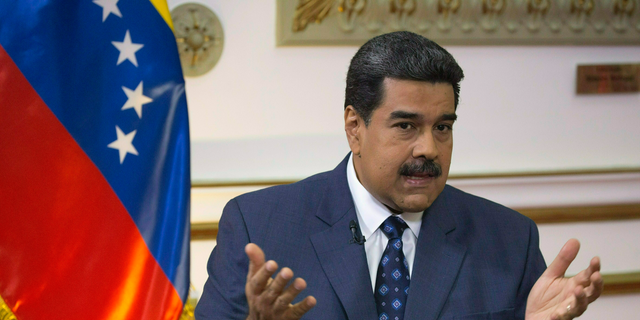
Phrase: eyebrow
[404,115]
[449,116]
[411,115]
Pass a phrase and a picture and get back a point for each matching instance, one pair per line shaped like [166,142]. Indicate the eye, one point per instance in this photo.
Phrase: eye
[405,126]
[444,127]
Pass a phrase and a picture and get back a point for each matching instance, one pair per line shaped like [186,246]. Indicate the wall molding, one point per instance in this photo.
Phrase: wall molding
[204,231]
[582,213]
[545,197]
[616,283]
[475,176]
[621,283]
[209,230]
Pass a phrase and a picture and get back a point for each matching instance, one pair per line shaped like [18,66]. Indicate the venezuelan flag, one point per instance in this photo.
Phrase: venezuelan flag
[94,161]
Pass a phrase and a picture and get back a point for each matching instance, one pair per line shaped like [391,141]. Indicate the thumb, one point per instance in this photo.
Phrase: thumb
[256,258]
[567,254]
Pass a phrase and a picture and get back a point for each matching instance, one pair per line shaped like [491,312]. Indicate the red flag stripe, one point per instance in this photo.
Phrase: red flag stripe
[68,247]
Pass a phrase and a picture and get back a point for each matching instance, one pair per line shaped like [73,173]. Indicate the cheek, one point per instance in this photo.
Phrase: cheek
[445,150]
[383,169]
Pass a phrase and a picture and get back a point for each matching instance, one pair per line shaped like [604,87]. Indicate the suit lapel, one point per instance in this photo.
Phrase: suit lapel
[344,263]
[436,265]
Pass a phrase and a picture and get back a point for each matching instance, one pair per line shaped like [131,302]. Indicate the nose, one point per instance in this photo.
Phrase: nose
[425,146]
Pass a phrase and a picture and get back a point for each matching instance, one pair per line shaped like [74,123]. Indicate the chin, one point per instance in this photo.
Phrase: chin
[415,208]
[415,204]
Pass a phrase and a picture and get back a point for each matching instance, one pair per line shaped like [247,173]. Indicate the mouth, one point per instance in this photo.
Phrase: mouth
[420,173]
[418,179]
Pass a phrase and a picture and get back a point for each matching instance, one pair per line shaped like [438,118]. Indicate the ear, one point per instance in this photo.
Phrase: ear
[353,126]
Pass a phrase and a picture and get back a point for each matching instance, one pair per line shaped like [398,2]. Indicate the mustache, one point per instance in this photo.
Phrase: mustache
[428,167]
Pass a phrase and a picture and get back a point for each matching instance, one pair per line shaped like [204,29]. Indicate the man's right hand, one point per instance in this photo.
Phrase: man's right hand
[270,298]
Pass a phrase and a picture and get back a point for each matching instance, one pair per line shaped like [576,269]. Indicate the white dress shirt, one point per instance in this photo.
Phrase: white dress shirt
[371,213]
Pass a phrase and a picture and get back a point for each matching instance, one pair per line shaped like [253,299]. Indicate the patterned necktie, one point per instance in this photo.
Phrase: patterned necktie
[392,280]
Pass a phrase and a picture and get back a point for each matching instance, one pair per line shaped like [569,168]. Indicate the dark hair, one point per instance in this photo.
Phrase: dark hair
[399,55]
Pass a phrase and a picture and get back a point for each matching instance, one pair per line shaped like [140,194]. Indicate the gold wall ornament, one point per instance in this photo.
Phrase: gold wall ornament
[446,10]
[348,10]
[461,22]
[309,11]
[511,15]
[199,36]
[623,11]
[536,9]
[580,11]
[374,17]
[469,15]
[491,11]
[401,11]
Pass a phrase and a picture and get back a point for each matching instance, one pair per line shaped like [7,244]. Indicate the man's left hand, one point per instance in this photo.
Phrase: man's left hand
[554,297]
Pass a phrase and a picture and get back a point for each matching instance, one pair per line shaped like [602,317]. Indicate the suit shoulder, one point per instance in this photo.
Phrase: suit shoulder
[303,191]
[482,208]
[489,228]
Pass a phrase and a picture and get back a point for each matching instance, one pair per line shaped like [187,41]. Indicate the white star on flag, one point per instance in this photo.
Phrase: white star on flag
[124,143]
[127,49]
[135,99]
[108,6]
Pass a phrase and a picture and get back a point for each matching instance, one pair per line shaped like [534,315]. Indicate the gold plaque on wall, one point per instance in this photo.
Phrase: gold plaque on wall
[608,78]
[464,22]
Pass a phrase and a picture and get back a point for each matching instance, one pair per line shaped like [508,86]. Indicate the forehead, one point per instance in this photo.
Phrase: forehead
[421,97]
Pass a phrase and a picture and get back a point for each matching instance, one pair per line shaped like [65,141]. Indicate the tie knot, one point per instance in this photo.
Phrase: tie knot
[393,227]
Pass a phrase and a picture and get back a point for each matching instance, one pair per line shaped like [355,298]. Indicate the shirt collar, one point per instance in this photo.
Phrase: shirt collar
[371,212]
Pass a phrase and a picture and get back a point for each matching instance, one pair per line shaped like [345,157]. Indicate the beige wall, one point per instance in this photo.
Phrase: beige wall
[268,113]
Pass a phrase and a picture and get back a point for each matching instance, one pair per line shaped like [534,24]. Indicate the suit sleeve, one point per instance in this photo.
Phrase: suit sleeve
[534,268]
[223,296]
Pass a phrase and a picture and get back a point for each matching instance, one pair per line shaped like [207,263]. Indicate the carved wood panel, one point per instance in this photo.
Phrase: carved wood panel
[464,22]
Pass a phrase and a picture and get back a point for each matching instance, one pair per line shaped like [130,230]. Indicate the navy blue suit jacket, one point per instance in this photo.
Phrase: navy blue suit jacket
[475,259]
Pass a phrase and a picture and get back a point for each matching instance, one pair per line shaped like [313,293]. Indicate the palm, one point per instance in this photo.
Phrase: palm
[554,297]
[549,294]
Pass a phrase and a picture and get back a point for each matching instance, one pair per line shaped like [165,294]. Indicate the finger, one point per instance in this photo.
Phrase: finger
[300,308]
[568,308]
[274,289]
[257,283]
[594,265]
[581,302]
[567,254]
[256,258]
[285,299]
[595,289]
[583,278]
[593,284]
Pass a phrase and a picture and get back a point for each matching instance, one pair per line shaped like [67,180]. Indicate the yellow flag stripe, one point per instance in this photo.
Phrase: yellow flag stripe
[163,10]
[5,311]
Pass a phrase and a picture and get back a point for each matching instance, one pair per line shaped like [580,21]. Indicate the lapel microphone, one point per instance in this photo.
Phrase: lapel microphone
[355,232]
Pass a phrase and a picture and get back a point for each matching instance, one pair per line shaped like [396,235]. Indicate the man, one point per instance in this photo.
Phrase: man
[382,236]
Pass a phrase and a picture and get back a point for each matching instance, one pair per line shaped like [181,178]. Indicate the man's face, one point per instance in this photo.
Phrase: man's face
[403,156]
